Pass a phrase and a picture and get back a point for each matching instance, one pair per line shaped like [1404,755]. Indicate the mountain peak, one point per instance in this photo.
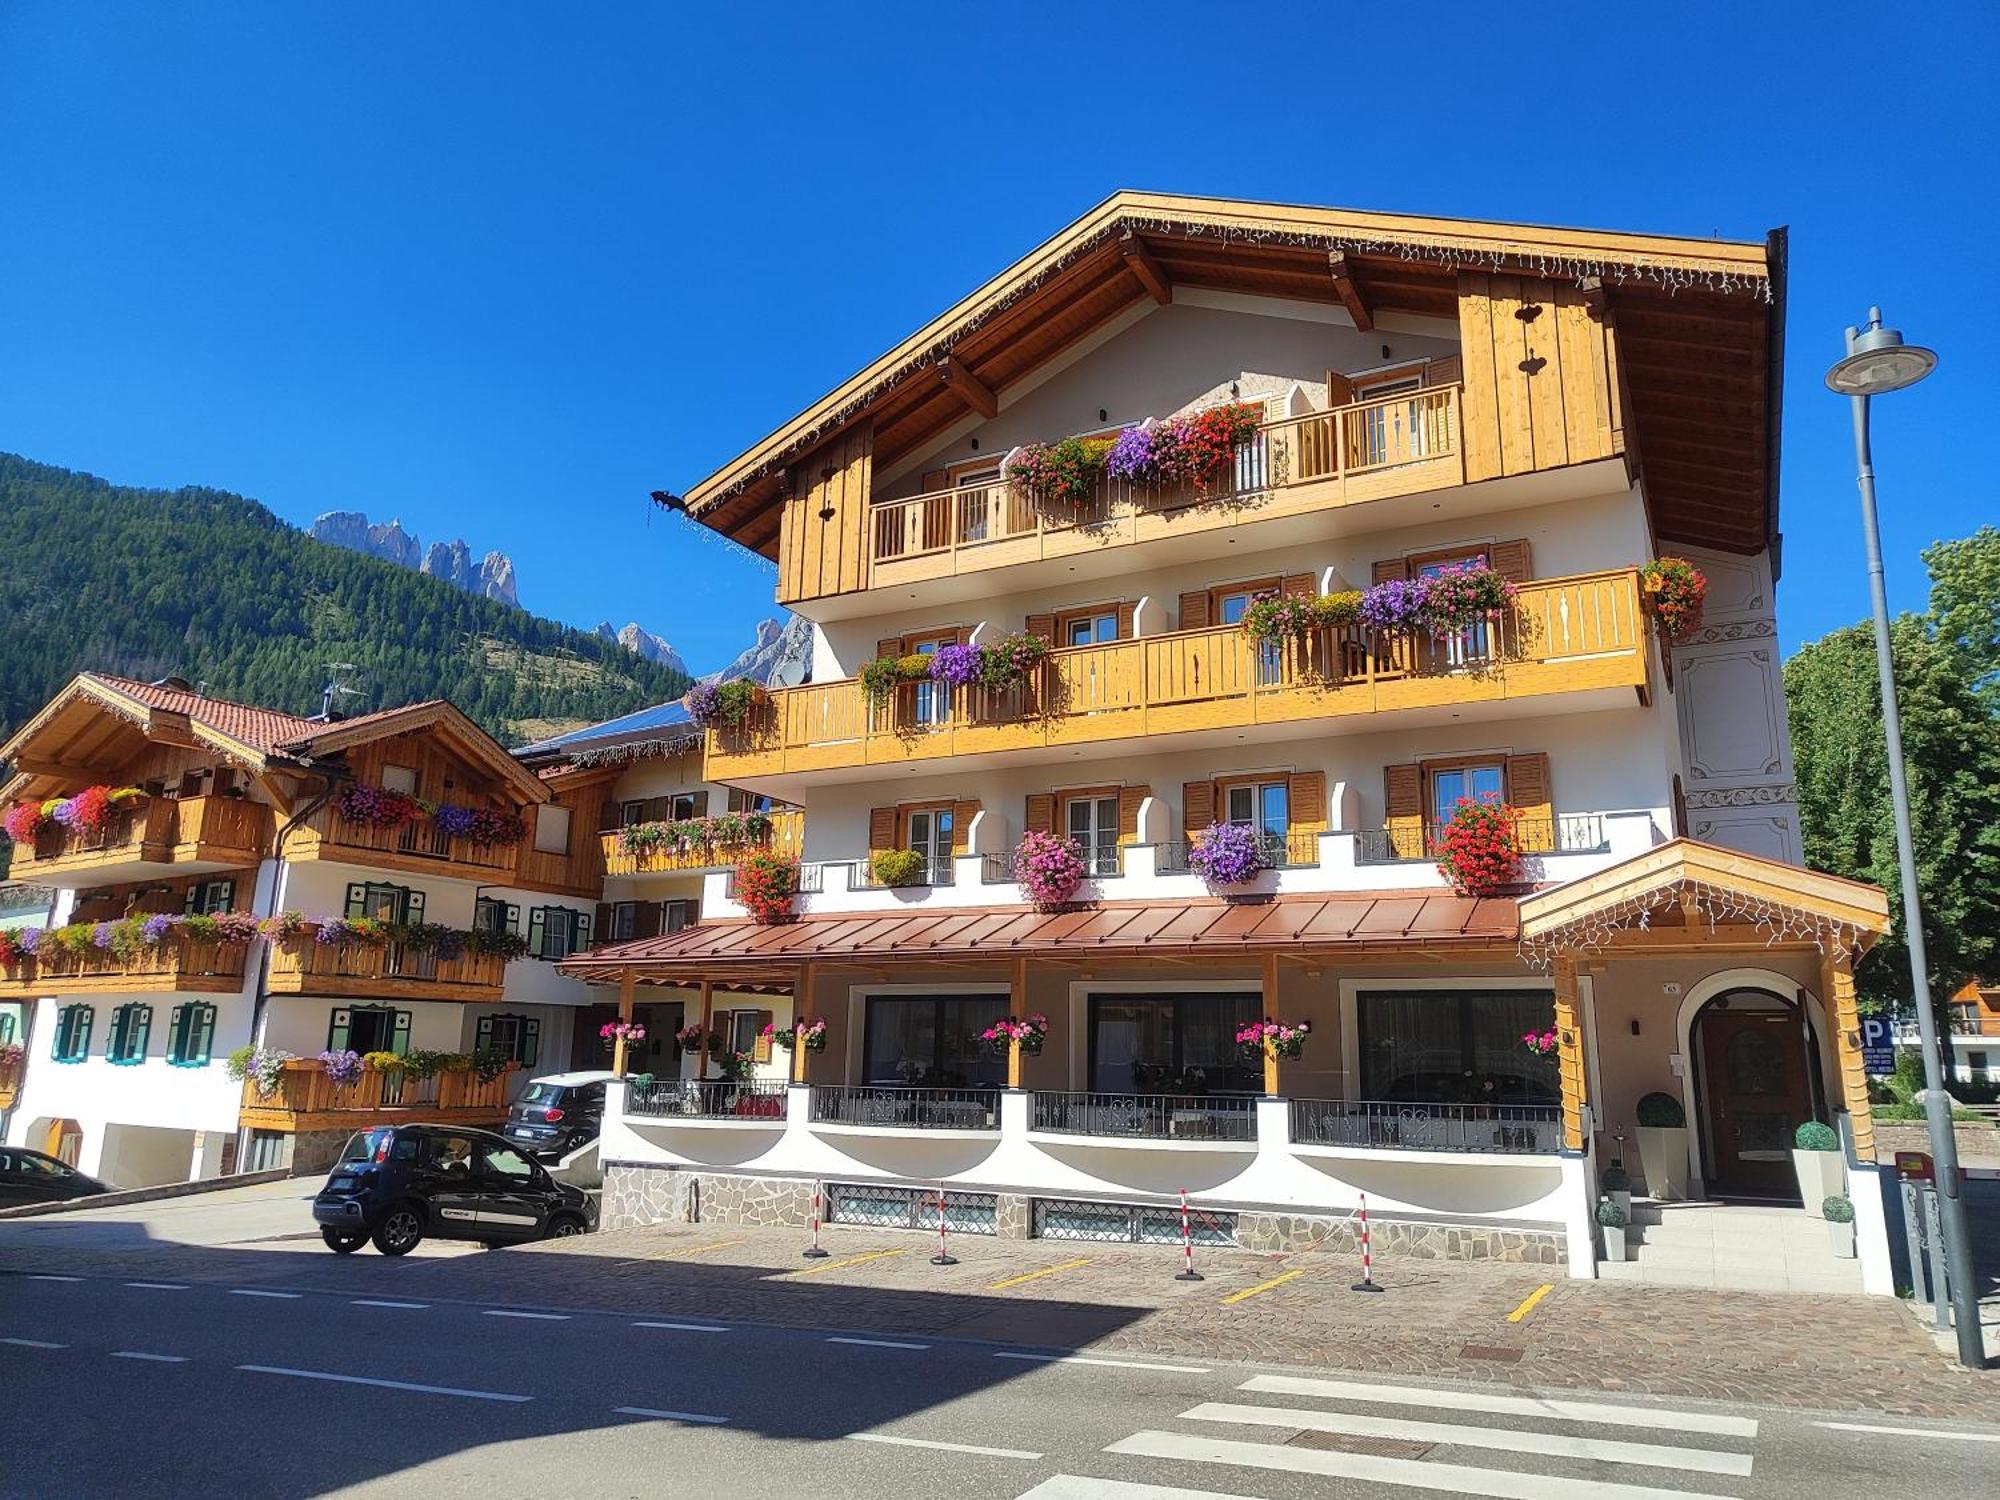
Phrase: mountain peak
[451,561]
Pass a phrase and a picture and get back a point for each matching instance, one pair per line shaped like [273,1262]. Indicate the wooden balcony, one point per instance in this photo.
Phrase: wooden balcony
[416,848]
[306,1099]
[1563,636]
[184,835]
[1397,445]
[391,971]
[787,836]
[176,965]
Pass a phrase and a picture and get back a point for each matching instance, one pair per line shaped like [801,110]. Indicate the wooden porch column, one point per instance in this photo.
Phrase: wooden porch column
[1270,1014]
[801,1000]
[1569,1053]
[1837,990]
[1017,1005]
[627,988]
[707,1015]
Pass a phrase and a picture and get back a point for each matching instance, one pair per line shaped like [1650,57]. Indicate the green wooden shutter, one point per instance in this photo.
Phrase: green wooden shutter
[86,1020]
[537,926]
[203,1030]
[193,895]
[117,1035]
[483,1038]
[400,1044]
[580,930]
[357,900]
[413,906]
[138,1033]
[337,1029]
[531,1041]
[513,917]
[177,1032]
[222,895]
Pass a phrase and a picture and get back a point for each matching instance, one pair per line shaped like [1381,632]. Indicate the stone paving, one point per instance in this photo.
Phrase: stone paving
[1434,1319]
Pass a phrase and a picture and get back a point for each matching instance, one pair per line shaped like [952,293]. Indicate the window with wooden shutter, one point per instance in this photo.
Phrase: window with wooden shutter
[1043,628]
[1403,810]
[1194,610]
[606,924]
[1128,620]
[889,646]
[881,829]
[1511,560]
[1308,803]
[760,1049]
[1389,569]
[1130,800]
[1299,585]
[338,1026]
[1197,806]
[646,919]
[482,1036]
[1041,813]
[399,1038]
[962,814]
[1529,794]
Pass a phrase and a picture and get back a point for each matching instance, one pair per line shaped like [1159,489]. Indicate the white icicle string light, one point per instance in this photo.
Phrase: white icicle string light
[1715,905]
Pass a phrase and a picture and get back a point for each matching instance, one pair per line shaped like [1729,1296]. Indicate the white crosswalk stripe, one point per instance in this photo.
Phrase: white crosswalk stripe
[1329,1435]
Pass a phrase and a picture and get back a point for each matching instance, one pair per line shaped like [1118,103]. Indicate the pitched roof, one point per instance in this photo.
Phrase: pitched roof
[1209,928]
[662,720]
[261,729]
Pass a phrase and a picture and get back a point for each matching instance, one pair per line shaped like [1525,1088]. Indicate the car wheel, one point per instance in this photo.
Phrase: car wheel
[562,1226]
[400,1231]
[343,1241]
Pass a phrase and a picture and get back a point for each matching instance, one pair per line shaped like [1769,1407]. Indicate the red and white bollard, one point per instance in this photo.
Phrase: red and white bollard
[1187,1272]
[942,1258]
[813,1251]
[1367,1281]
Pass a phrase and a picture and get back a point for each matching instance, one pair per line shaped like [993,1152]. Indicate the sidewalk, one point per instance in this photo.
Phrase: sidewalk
[1440,1320]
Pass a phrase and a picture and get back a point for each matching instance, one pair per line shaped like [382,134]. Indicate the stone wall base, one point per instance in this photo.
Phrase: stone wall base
[1978,1145]
[637,1194]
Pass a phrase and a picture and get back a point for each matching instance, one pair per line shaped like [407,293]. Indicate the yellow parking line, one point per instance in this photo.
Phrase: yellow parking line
[718,1245]
[1068,1265]
[1528,1305]
[852,1260]
[1261,1288]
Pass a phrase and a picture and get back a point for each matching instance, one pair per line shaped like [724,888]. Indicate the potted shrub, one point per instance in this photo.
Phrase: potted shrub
[1616,1184]
[896,867]
[1839,1215]
[1612,1220]
[1663,1146]
[1816,1158]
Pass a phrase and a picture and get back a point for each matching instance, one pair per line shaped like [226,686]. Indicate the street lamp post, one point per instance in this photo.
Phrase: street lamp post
[1877,362]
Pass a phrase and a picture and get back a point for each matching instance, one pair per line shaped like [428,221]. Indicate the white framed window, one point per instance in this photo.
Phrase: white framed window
[1092,820]
[400,779]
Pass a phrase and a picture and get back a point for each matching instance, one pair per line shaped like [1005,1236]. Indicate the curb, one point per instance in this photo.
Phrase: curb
[147,1195]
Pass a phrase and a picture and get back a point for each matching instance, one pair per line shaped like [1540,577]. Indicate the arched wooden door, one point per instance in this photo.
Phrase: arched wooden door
[1757,1087]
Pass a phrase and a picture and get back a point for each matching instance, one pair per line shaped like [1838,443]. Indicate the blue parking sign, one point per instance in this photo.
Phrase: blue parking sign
[1878,1050]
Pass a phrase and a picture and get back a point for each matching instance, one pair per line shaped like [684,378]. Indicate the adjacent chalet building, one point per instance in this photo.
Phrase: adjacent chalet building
[231,879]
[1179,598]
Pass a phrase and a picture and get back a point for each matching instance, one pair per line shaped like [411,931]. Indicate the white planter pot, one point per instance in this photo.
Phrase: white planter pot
[1614,1241]
[1822,1175]
[1842,1238]
[1663,1157]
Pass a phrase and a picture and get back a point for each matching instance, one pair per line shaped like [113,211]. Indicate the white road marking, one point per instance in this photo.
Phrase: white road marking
[158,1286]
[1513,1406]
[908,1442]
[1076,1487]
[33,1344]
[160,1359]
[1915,1432]
[670,1416]
[387,1385]
[251,1291]
[1456,1479]
[508,1312]
[876,1343]
[686,1327]
[371,1302]
[46,1276]
[1556,1444]
[1084,1359]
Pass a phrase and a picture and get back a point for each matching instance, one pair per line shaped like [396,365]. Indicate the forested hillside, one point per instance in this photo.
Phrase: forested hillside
[216,589]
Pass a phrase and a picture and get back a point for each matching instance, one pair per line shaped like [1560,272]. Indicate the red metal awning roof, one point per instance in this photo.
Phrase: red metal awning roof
[1208,928]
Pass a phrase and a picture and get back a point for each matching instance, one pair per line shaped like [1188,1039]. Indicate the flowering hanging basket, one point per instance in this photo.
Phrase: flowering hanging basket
[1282,1039]
[765,884]
[369,806]
[1673,591]
[1050,868]
[810,1035]
[1226,854]
[1030,1031]
[725,703]
[1542,1043]
[1477,850]
[23,821]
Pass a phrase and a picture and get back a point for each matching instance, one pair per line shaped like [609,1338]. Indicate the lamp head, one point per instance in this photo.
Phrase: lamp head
[1878,361]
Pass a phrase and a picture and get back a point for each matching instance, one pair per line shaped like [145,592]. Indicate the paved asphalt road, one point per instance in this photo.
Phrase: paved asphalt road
[131,1388]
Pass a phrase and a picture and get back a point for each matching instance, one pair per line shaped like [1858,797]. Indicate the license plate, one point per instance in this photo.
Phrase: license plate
[340,1184]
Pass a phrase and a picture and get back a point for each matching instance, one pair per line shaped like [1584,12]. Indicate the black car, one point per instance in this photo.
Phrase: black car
[396,1184]
[36,1177]
[556,1115]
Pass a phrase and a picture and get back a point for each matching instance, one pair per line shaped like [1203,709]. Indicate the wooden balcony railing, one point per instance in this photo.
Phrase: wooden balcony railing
[304,966]
[1390,445]
[414,846]
[306,1099]
[156,831]
[787,836]
[175,964]
[1562,635]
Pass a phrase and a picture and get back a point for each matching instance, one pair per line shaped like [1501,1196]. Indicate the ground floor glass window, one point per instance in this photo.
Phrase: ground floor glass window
[931,1041]
[1455,1046]
[1171,1044]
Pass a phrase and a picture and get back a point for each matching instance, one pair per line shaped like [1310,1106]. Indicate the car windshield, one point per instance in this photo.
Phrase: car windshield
[363,1145]
[540,1093]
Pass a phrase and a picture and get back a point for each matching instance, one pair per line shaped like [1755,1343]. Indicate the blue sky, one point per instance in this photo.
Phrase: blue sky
[501,270]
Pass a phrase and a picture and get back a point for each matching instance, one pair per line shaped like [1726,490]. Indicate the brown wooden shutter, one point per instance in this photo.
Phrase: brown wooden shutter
[1511,560]
[701,803]
[1197,806]
[881,829]
[935,480]
[889,646]
[1129,800]
[600,930]
[646,919]
[1389,569]
[1403,809]
[1041,813]
[1194,610]
[760,1050]
[1308,799]
[962,814]
[1299,585]
[1128,620]
[1339,389]
[1042,628]
[1529,793]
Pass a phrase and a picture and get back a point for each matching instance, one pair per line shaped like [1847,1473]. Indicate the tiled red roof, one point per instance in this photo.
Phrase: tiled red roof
[1209,928]
[262,729]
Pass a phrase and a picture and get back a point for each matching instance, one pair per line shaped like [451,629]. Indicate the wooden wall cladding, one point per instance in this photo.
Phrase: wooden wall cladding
[1541,376]
[823,544]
